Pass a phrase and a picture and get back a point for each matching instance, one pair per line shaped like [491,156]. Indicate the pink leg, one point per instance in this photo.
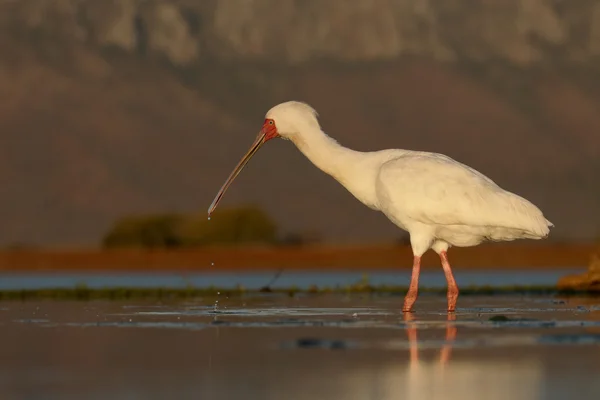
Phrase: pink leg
[452,288]
[411,296]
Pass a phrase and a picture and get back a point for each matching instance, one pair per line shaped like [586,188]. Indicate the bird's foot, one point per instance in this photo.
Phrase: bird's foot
[409,301]
[452,298]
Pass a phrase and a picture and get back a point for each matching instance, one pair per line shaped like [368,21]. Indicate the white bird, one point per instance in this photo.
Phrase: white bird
[437,200]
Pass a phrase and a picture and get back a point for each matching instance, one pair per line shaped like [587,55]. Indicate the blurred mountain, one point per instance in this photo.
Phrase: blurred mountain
[126,106]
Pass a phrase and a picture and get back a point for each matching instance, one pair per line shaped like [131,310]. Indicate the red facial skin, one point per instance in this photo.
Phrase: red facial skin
[269,129]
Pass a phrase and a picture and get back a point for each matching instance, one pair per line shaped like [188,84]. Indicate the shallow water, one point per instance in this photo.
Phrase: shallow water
[305,347]
[302,280]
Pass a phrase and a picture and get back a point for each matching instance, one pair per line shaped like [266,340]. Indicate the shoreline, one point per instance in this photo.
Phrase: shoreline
[83,293]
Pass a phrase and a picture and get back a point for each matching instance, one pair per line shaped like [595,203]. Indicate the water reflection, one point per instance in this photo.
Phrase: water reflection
[446,350]
[354,349]
[465,379]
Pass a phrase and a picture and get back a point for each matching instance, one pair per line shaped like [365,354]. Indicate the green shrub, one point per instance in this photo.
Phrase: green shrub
[227,226]
[300,238]
[147,231]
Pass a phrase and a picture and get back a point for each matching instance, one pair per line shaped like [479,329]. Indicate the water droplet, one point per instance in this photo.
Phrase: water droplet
[218,293]
[212,263]
[209,218]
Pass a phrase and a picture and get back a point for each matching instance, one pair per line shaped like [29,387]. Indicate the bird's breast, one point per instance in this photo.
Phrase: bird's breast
[361,187]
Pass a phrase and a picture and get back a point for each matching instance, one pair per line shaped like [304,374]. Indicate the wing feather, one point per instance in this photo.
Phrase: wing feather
[435,189]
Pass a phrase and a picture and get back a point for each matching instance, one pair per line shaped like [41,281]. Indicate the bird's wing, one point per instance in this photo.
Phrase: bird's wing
[435,189]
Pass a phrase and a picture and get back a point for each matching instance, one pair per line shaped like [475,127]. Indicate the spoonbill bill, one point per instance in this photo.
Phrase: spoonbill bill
[437,200]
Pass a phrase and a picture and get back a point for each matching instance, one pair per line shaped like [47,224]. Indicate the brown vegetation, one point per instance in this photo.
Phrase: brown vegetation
[219,259]
[588,281]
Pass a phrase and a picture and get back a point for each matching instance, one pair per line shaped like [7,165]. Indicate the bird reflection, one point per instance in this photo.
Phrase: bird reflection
[446,351]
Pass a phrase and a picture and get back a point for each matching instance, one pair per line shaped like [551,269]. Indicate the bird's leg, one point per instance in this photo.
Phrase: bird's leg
[411,296]
[452,287]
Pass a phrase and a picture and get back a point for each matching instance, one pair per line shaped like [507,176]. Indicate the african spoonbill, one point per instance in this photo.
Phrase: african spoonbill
[437,200]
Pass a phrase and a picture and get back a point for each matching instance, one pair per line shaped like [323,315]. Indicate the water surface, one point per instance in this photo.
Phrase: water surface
[302,280]
[358,347]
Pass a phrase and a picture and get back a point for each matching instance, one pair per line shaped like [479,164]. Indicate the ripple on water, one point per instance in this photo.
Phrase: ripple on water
[483,322]
[268,312]
[468,343]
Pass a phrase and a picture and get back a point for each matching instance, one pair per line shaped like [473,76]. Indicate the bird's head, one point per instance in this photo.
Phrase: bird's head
[285,120]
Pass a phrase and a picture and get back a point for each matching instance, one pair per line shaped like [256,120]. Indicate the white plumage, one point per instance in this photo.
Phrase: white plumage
[439,201]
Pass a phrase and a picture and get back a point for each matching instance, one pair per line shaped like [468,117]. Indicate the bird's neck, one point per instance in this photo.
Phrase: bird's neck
[347,166]
[325,153]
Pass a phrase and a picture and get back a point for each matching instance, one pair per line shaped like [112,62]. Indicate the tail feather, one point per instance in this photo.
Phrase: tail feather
[527,218]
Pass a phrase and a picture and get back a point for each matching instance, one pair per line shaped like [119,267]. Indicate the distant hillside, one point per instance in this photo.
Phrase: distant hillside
[119,107]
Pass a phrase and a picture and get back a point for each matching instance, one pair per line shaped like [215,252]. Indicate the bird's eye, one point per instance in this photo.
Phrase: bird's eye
[271,122]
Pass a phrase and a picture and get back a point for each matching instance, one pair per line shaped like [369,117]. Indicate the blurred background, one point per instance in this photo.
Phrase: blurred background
[120,120]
